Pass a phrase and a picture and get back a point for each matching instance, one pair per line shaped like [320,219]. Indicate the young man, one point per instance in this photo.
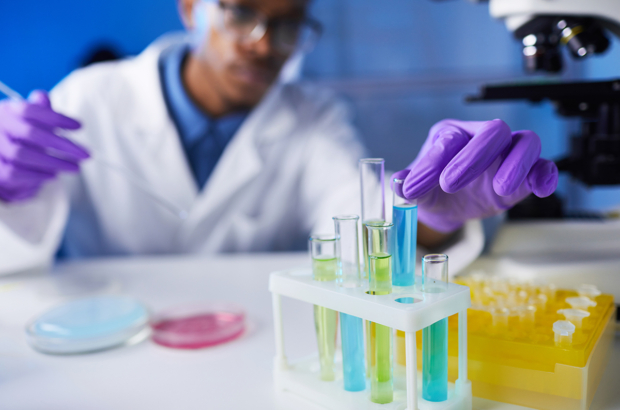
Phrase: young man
[207,122]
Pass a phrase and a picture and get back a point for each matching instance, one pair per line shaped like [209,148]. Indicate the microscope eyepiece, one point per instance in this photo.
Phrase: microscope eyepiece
[583,37]
[543,36]
[541,53]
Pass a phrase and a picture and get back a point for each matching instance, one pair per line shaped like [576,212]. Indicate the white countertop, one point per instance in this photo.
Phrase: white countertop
[236,375]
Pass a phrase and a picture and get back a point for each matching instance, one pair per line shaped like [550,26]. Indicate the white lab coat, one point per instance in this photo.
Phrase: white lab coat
[291,166]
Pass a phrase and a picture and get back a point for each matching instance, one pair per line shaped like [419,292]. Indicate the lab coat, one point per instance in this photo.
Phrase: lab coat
[291,166]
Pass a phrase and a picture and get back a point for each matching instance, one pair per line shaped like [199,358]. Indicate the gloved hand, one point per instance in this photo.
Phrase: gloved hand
[469,170]
[30,150]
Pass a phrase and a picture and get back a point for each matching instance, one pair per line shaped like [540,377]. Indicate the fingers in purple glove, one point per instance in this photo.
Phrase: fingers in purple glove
[543,178]
[18,194]
[33,157]
[470,127]
[29,134]
[522,154]
[40,111]
[425,174]
[45,117]
[402,175]
[487,144]
[14,175]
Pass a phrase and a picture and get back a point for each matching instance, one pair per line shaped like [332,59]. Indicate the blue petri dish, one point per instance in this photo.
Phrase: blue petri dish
[89,325]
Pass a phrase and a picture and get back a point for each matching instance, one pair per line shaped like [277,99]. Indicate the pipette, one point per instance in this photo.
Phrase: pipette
[134,180]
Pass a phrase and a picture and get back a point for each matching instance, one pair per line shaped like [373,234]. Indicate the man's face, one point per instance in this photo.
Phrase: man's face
[243,70]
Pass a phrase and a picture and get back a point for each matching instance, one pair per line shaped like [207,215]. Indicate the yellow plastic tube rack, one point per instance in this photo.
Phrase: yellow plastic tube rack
[406,310]
[533,346]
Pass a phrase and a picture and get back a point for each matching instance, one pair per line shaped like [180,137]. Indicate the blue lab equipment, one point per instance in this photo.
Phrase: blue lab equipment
[351,327]
[405,219]
[435,336]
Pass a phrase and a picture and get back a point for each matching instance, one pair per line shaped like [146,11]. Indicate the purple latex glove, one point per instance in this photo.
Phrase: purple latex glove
[469,170]
[30,151]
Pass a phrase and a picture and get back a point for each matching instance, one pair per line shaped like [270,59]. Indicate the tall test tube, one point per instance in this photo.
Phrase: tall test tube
[351,327]
[380,244]
[372,175]
[405,219]
[435,336]
[324,250]
[372,178]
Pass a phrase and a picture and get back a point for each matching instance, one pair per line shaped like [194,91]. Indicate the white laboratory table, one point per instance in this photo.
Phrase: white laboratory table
[236,375]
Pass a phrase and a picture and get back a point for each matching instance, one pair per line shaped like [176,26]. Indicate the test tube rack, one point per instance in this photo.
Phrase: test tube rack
[405,309]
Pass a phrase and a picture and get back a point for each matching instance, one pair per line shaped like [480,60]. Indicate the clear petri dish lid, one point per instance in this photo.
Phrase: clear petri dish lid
[198,326]
[89,325]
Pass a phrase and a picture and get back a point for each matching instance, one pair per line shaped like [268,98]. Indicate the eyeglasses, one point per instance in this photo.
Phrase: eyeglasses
[247,25]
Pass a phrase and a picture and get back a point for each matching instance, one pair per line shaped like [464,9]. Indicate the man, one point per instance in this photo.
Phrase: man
[208,125]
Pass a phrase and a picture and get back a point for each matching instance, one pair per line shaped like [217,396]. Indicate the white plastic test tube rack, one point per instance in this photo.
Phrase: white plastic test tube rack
[301,378]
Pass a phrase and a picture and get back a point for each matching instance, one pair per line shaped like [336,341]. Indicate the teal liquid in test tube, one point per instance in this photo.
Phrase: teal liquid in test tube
[435,336]
[380,243]
[351,327]
[405,219]
[324,250]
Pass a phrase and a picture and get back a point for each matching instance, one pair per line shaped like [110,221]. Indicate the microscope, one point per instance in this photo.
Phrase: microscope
[571,250]
[583,27]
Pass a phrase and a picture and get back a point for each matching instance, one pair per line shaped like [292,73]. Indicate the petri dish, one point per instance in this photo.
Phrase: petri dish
[89,325]
[198,326]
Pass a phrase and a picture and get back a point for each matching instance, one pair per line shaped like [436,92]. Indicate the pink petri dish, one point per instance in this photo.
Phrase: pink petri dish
[198,326]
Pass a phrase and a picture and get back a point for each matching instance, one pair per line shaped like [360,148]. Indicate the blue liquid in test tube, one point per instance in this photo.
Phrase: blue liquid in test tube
[435,336]
[435,361]
[405,219]
[351,327]
[352,333]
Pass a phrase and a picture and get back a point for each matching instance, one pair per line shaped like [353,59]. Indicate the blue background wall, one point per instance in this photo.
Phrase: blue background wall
[403,64]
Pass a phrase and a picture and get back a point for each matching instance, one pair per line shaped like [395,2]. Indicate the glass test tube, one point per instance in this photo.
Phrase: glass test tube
[324,250]
[372,175]
[405,219]
[380,243]
[435,336]
[351,327]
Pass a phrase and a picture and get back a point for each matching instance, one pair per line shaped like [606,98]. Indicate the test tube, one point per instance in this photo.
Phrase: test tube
[405,220]
[563,330]
[372,176]
[590,291]
[580,302]
[435,336]
[324,250]
[575,316]
[380,243]
[527,316]
[500,316]
[351,327]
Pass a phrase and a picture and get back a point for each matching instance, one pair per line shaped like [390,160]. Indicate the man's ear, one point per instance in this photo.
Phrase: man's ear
[185,8]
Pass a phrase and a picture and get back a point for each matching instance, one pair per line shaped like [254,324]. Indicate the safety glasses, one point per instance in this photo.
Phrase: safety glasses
[246,25]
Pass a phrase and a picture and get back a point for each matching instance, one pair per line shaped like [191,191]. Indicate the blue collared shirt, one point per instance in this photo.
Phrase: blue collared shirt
[203,138]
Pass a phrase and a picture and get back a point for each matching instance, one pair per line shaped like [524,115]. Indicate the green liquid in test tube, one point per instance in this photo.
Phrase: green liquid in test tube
[380,271]
[372,178]
[435,336]
[324,251]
